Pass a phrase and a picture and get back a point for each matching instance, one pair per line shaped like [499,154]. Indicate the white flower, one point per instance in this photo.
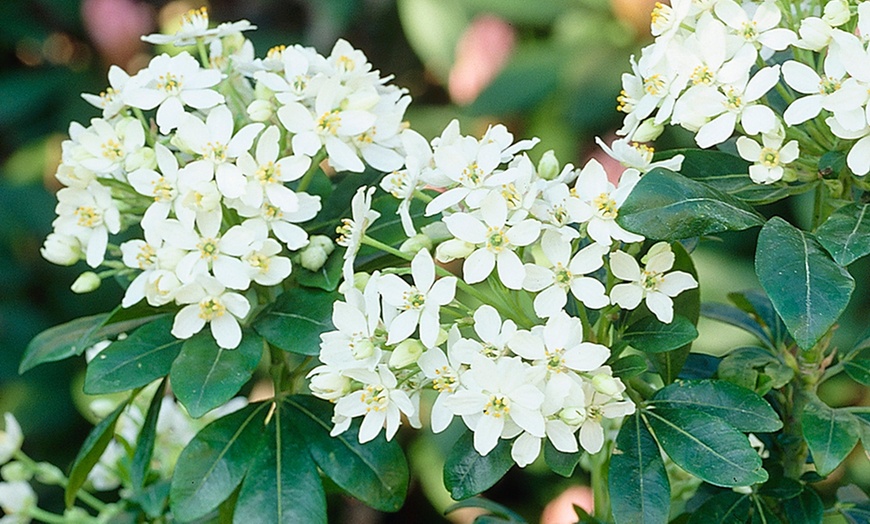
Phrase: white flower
[328,384]
[210,303]
[267,173]
[111,100]
[162,187]
[354,344]
[194,27]
[444,371]
[638,156]
[16,499]
[352,231]
[89,215]
[208,250]
[768,160]
[263,264]
[822,93]
[157,282]
[63,250]
[107,146]
[600,202]
[283,224]
[11,438]
[651,283]
[419,304]
[403,183]
[495,241]
[559,347]
[600,406]
[761,29]
[566,274]
[379,401]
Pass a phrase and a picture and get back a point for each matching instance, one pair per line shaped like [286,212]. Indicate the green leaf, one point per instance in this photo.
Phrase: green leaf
[493,508]
[688,305]
[375,472]
[90,453]
[138,360]
[781,487]
[830,433]
[858,513]
[667,206]
[653,336]
[639,488]
[215,461]
[560,462]
[433,28]
[805,508]
[754,368]
[145,441]
[807,288]
[846,233]
[629,366]
[205,376]
[863,418]
[327,278]
[859,370]
[740,407]
[759,307]
[736,317]
[707,447]
[467,473]
[297,319]
[284,485]
[725,508]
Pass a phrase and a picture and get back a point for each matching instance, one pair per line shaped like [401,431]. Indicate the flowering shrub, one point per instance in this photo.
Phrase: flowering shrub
[550,309]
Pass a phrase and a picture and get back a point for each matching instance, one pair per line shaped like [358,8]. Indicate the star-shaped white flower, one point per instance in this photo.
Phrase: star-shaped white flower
[210,303]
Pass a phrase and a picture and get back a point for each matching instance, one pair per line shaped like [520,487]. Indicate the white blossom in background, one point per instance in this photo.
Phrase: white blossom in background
[380,403]
[11,438]
[16,499]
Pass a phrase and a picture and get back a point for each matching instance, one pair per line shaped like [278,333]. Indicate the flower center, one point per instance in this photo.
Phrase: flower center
[769,157]
[651,280]
[108,96]
[562,276]
[169,83]
[511,195]
[329,122]
[491,351]
[211,308]
[88,216]
[146,257]
[268,173]
[445,380]
[605,206]
[344,231]
[702,75]
[750,31]
[346,63]
[196,18]
[471,175]
[498,406]
[216,151]
[276,52]
[828,85]
[259,261]
[654,85]
[272,213]
[625,103]
[733,100]
[594,413]
[646,152]
[496,239]
[375,398]
[163,190]
[414,299]
[555,360]
[208,249]
[112,150]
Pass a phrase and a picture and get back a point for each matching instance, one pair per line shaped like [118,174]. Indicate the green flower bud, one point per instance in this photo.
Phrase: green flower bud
[406,353]
[87,282]
[548,166]
[647,131]
[415,244]
[453,249]
[16,471]
[260,110]
[49,474]
[836,12]
[604,383]
[362,349]
[142,158]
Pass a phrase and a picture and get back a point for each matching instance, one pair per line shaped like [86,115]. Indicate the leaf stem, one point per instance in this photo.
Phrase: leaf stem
[309,175]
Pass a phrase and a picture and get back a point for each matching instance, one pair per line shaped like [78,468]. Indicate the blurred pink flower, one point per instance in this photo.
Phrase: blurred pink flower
[114,27]
[481,53]
[560,510]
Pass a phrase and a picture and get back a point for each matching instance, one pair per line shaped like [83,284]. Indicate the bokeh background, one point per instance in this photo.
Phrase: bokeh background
[545,68]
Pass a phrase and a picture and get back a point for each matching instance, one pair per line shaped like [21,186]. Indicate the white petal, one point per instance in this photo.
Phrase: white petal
[479,265]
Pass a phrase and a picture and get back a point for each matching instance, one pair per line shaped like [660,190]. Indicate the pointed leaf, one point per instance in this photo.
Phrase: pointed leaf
[859,370]
[668,206]
[284,485]
[707,447]
[205,376]
[726,508]
[740,407]
[806,507]
[145,441]
[650,335]
[215,461]
[758,305]
[90,453]
[857,513]
[467,473]
[136,361]
[846,233]
[629,366]
[639,488]
[375,473]
[297,319]
[561,463]
[754,368]
[831,435]
[735,317]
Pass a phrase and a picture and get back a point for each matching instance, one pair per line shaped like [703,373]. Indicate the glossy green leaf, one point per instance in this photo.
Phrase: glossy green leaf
[861,344]
[863,418]
[639,488]
[205,376]
[327,278]
[668,206]
[297,319]
[467,473]
[145,441]
[726,508]
[758,305]
[284,485]
[707,447]
[736,317]
[761,512]
[653,336]
[687,304]
[831,434]
[144,356]
[629,366]
[781,487]
[754,368]
[375,473]
[561,463]
[846,233]
[740,407]
[859,370]
[493,508]
[91,451]
[215,461]
[807,288]
[805,508]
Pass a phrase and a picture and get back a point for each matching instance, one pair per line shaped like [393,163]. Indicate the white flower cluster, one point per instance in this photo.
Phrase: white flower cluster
[17,497]
[209,189]
[543,236]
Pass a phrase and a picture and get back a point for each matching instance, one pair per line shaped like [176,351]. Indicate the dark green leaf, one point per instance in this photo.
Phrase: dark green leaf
[863,418]
[375,473]
[805,508]
[145,441]
[204,376]
[297,319]
[725,508]
[758,305]
[807,288]
[284,485]
[493,507]
[781,487]
[138,360]
[754,368]
[214,463]
[761,513]
[831,435]
[862,343]
[740,407]
[688,305]
[466,473]
[846,233]
[859,370]
[856,513]
[327,278]
[561,463]
[699,366]
[629,366]
[707,447]
[638,483]
[153,499]
[668,206]
[90,453]
[737,318]
[653,336]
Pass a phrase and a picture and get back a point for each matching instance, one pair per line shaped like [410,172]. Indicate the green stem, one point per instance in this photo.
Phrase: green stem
[40,515]
[203,52]
[309,175]
[149,138]
[600,491]
[419,195]
[84,496]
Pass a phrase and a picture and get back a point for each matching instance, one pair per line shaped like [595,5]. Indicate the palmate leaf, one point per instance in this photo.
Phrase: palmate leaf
[638,483]
[807,288]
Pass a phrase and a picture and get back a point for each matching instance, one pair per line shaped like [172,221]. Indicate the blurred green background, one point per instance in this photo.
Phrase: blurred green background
[548,68]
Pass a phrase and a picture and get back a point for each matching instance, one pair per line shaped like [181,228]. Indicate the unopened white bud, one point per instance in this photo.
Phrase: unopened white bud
[414,244]
[647,131]
[655,250]
[437,231]
[362,349]
[49,474]
[329,386]
[836,12]
[453,249]
[63,250]
[604,383]
[260,110]
[16,472]
[312,258]
[87,282]
[815,34]
[142,158]
[572,416]
[548,166]
[406,353]
[77,515]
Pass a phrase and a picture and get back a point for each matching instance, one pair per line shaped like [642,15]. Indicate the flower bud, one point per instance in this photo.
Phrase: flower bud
[16,498]
[87,282]
[362,349]
[607,385]
[142,158]
[329,386]
[63,250]
[648,131]
[260,110]
[49,474]
[437,231]
[815,34]
[836,12]
[16,472]
[453,249]
[548,166]
[312,257]
[415,244]
[406,353]
[77,515]
[572,416]
[11,438]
